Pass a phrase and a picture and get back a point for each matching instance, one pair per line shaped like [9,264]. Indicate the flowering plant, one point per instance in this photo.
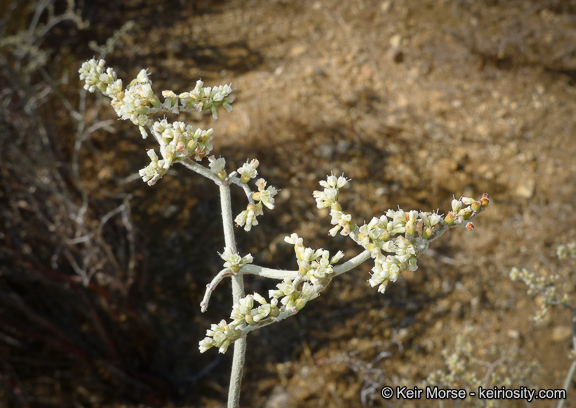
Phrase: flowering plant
[394,240]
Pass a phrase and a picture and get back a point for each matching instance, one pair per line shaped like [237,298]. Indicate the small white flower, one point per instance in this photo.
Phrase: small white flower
[334,231]
[286,287]
[142,77]
[339,255]
[206,344]
[247,218]
[266,195]
[294,239]
[467,200]
[219,335]
[248,170]
[114,88]
[216,165]
[322,200]
[260,299]
[308,292]
[233,260]
[154,171]
[456,205]
[334,182]
[90,72]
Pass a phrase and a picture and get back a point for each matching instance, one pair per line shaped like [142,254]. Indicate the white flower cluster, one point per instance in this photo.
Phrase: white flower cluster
[138,103]
[314,266]
[154,171]
[315,270]
[177,140]
[206,98]
[248,171]
[396,239]
[234,262]
[220,335]
[247,218]
[218,166]
[138,97]
[183,139]
[264,196]
[244,312]
[392,252]
[95,76]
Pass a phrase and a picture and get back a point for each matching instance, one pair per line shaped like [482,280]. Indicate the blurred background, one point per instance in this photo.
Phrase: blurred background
[101,276]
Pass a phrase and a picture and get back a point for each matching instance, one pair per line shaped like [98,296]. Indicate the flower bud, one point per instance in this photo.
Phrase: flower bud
[476,206]
[339,255]
[427,233]
[470,226]
[450,218]
[274,311]
[385,236]
[466,213]
[249,320]
[156,103]
[260,299]
[410,229]
[300,303]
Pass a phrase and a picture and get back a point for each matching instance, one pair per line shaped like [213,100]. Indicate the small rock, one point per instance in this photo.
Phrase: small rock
[325,151]
[395,41]
[385,6]
[525,188]
[513,334]
[298,50]
[561,333]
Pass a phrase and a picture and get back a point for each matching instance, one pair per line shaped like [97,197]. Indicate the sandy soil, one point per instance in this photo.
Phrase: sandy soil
[415,101]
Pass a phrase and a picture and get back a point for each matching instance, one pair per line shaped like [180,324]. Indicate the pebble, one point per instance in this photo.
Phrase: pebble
[525,188]
[561,333]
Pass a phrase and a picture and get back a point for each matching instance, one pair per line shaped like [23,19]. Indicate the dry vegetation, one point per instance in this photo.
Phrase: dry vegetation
[414,100]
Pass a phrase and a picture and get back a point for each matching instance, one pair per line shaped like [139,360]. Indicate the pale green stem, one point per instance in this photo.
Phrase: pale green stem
[237,280]
[277,274]
[237,294]
[203,171]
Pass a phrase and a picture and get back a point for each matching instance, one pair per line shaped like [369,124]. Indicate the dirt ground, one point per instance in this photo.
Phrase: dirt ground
[415,101]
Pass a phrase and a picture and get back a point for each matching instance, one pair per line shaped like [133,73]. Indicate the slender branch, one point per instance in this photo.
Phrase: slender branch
[245,187]
[212,285]
[352,263]
[203,171]
[246,270]
[263,323]
[237,294]
[277,274]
